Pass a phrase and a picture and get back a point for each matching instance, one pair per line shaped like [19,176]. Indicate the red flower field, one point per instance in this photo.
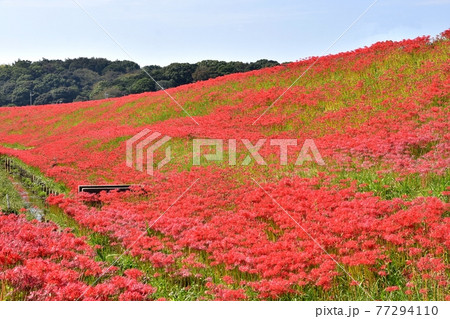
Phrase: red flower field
[373,223]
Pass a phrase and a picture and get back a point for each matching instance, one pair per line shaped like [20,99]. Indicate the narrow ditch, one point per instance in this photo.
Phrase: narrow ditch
[33,204]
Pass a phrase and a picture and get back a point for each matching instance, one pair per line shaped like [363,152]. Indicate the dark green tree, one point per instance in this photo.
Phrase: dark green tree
[81,79]
[142,85]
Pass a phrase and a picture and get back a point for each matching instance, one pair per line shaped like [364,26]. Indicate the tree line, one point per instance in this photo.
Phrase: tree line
[82,79]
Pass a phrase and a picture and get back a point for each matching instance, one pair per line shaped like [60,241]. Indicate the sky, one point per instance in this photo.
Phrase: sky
[166,31]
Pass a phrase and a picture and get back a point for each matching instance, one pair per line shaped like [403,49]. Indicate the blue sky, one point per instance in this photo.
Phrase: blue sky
[165,31]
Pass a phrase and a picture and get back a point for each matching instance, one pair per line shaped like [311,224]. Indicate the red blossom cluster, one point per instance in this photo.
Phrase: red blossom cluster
[381,109]
[38,261]
[258,238]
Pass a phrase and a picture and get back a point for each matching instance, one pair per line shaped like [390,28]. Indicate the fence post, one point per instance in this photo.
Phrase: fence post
[7,202]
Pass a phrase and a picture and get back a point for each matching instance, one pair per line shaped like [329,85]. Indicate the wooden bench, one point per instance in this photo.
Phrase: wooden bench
[95,189]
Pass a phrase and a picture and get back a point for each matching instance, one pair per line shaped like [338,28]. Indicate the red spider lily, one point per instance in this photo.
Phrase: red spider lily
[387,119]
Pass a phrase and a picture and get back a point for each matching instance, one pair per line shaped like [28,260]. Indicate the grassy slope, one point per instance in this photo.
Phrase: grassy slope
[379,116]
[338,94]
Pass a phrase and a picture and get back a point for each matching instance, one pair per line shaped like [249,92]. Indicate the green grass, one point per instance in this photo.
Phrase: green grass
[27,181]
[16,146]
[114,143]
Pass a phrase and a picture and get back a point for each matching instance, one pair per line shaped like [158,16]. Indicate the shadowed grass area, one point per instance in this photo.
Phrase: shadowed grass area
[14,200]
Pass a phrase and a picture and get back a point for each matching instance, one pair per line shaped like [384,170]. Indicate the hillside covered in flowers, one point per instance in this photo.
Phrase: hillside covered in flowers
[372,223]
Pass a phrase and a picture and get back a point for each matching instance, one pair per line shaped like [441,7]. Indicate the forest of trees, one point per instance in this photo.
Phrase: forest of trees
[82,79]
